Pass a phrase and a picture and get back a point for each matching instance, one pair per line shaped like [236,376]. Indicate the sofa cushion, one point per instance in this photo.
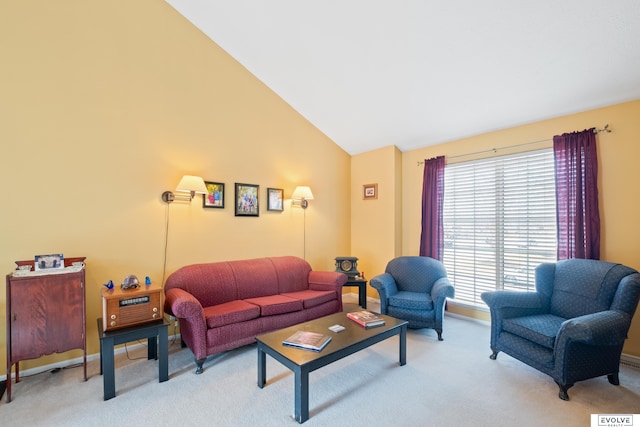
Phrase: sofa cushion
[540,328]
[312,298]
[411,300]
[276,304]
[230,312]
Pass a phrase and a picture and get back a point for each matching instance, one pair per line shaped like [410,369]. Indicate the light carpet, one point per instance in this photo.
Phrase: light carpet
[448,383]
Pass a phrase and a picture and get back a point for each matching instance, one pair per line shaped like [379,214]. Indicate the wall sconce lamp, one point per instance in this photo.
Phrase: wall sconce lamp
[301,195]
[189,184]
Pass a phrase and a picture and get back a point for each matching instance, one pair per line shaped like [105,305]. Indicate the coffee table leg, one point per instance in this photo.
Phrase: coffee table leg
[403,345]
[301,394]
[262,366]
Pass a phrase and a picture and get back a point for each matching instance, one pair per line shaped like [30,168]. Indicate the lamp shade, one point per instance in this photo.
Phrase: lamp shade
[302,192]
[192,184]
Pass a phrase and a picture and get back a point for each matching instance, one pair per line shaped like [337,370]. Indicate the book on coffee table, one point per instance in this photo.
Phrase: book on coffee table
[366,318]
[307,340]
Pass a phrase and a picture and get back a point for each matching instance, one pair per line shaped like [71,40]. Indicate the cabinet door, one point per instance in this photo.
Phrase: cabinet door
[46,315]
[28,319]
[65,308]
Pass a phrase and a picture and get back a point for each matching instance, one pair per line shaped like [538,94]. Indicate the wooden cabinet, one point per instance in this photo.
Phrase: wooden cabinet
[46,314]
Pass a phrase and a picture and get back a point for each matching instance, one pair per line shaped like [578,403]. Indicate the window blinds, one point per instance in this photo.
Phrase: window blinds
[499,219]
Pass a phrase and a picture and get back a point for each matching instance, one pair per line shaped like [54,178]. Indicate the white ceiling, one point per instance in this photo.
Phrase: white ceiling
[413,73]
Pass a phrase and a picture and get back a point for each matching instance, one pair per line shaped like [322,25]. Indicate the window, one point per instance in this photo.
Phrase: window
[499,218]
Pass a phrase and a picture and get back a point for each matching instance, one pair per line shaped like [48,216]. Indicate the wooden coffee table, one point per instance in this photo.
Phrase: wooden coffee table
[354,338]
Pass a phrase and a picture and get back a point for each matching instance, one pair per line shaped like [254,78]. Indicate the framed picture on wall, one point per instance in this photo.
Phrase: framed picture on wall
[215,195]
[370,191]
[275,199]
[247,200]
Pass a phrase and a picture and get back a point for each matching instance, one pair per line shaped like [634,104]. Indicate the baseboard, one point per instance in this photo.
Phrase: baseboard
[471,319]
[630,361]
[78,360]
[355,297]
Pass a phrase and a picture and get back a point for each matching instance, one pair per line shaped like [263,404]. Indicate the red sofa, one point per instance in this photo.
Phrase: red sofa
[224,305]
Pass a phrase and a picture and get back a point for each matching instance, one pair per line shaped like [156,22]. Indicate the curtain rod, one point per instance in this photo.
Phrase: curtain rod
[495,150]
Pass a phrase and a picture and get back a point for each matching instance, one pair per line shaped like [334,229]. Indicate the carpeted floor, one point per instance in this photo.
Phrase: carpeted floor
[448,383]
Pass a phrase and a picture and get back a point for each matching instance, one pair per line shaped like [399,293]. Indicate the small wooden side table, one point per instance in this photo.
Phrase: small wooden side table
[155,350]
[362,289]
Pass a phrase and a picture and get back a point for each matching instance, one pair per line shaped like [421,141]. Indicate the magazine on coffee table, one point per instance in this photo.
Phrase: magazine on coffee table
[307,340]
[366,318]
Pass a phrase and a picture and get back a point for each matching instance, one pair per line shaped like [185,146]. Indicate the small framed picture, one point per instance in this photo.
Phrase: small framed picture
[48,262]
[247,200]
[275,197]
[215,195]
[370,191]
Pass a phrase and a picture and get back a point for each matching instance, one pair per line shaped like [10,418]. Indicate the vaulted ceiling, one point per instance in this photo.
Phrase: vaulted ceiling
[413,73]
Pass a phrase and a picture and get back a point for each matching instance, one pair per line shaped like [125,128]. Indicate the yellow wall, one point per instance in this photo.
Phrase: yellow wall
[376,227]
[104,106]
[618,178]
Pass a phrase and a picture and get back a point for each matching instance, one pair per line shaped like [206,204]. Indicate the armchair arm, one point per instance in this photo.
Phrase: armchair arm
[506,304]
[442,288]
[513,303]
[603,328]
[386,286]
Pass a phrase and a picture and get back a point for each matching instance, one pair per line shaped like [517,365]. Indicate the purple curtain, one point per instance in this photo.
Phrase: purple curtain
[432,237]
[578,216]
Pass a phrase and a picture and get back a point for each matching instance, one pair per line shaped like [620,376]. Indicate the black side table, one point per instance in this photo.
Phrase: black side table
[155,350]
[362,290]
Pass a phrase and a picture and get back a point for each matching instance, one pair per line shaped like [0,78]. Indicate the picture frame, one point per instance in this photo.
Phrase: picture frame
[215,195]
[369,191]
[247,199]
[275,199]
[48,262]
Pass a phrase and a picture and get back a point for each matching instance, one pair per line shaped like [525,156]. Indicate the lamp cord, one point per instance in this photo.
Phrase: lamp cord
[166,240]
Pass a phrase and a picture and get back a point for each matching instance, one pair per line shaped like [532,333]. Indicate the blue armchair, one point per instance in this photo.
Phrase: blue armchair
[573,326]
[414,288]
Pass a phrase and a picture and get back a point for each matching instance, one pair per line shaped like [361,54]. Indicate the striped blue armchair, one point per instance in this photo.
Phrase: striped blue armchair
[573,326]
[414,288]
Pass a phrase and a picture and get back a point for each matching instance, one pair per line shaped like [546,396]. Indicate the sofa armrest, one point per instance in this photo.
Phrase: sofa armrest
[182,304]
[327,281]
[189,312]
[603,328]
